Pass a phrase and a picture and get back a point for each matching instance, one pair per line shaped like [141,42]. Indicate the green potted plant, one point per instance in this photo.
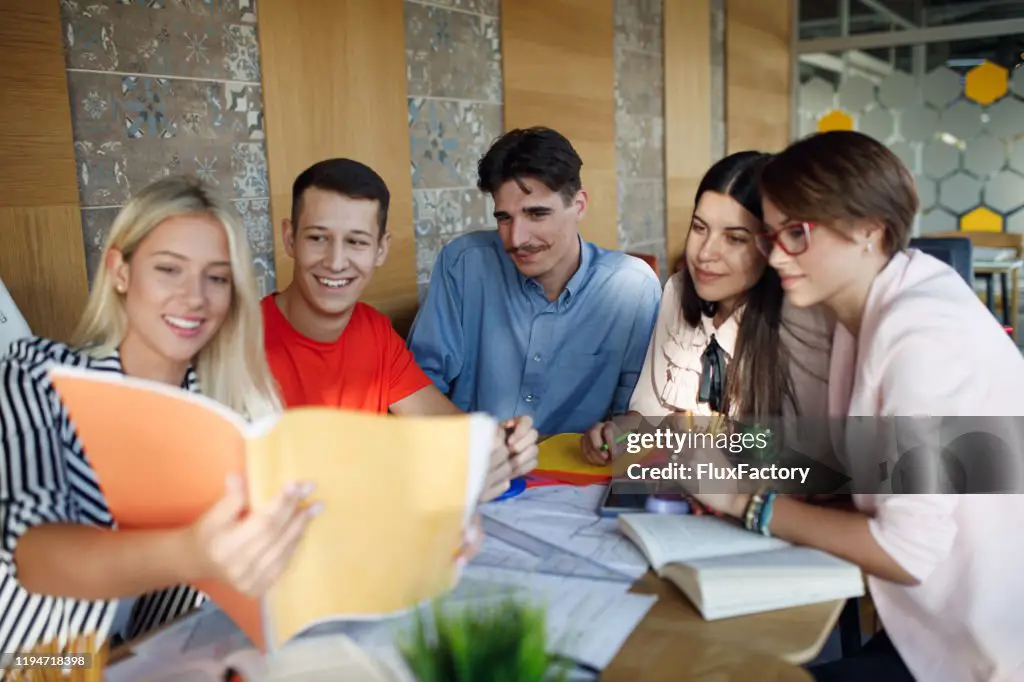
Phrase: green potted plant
[501,640]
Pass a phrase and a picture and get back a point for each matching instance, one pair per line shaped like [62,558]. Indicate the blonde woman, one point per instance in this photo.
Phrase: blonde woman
[174,301]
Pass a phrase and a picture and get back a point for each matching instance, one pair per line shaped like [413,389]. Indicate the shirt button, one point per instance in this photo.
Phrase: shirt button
[536,357]
[529,398]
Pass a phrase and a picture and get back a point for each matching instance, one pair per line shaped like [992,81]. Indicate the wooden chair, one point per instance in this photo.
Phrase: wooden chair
[998,240]
[650,259]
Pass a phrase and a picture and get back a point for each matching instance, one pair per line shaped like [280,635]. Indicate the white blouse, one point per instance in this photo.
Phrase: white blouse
[670,379]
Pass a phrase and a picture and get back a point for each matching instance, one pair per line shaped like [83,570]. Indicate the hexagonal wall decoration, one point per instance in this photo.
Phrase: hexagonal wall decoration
[1015,223]
[1005,192]
[962,120]
[982,219]
[985,155]
[878,123]
[898,91]
[1006,117]
[1017,81]
[918,123]
[940,159]
[817,95]
[960,193]
[1017,156]
[986,82]
[937,220]
[835,120]
[856,93]
[925,193]
[941,87]
[905,153]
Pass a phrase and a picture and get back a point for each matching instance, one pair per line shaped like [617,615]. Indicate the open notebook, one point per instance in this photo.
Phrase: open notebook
[398,493]
[725,570]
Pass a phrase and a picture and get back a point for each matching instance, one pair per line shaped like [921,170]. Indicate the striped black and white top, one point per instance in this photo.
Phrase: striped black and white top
[44,478]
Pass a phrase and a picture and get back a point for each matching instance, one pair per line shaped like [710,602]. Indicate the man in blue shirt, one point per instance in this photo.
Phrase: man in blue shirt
[530,318]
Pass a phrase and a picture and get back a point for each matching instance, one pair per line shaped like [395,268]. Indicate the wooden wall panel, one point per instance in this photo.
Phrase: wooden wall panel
[758,74]
[559,71]
[687,39]
[334,84]
[42,259]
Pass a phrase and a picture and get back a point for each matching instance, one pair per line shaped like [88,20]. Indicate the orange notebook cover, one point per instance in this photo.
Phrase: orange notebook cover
[398,493]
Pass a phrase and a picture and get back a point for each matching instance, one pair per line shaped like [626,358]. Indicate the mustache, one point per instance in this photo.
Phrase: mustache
[526,248]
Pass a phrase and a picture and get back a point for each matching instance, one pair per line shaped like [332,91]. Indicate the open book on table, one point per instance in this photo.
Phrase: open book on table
[726,570]
[398,493]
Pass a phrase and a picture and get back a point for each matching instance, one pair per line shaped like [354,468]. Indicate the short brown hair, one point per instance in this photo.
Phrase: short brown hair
[843,175]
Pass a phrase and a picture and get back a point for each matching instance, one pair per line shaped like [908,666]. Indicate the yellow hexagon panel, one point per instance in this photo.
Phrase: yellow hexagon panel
[835,120]
[986,83]
[982,219]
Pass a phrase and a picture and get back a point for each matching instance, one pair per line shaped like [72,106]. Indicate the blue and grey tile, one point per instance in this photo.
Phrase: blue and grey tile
[452,54]
[447,140]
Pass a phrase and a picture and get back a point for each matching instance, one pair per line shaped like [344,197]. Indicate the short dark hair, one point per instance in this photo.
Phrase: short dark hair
[539,153]
[843,175]
[347,177]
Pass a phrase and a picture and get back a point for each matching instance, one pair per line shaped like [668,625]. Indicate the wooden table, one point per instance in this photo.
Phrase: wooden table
[673,642]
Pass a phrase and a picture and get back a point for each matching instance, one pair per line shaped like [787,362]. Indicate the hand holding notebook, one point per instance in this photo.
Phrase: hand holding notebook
[249,553]
[398,494]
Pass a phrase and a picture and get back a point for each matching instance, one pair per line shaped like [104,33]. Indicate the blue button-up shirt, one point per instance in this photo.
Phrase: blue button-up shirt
[491,340]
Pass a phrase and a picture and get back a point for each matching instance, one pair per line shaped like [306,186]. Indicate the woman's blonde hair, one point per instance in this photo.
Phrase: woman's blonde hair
[232,368]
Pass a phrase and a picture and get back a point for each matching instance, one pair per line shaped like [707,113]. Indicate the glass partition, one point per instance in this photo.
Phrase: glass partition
[952,111]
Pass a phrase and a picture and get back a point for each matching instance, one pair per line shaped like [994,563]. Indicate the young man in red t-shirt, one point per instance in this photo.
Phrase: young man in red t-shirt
[327,348]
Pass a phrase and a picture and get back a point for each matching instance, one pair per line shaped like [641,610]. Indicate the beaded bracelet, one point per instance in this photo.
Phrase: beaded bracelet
[765,517]
[758,513]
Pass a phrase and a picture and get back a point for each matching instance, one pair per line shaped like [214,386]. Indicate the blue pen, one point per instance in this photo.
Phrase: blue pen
[516,485]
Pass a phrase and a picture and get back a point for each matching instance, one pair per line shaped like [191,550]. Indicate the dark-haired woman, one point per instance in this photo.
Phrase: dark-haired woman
[725,342]
[912,338]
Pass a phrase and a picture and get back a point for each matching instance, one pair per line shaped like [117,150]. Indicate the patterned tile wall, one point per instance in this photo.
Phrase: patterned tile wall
[167,86]
[640,128]
[453,62]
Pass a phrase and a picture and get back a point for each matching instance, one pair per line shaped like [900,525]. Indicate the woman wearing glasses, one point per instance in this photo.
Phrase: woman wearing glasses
[912,339]
[724,341]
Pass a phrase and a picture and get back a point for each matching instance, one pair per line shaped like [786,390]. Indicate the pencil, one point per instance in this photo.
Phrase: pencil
[618,440]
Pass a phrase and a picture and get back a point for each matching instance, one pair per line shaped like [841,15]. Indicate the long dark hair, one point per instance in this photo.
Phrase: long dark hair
[758,381]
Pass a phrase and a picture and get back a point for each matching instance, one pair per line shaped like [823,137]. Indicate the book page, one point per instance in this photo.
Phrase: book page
[800,562]
[161,454]
[395,493]
[669,538]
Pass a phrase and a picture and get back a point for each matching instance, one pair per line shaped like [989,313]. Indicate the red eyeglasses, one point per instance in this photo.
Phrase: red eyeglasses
[794,239]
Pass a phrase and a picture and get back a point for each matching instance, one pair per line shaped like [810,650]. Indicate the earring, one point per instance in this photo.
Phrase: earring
[120,288]
[869,247]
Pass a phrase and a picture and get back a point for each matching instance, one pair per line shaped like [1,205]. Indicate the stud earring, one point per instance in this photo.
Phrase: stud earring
[120,288]
[869,247]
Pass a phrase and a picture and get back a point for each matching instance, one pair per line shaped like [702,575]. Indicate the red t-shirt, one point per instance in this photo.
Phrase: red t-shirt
[368,368]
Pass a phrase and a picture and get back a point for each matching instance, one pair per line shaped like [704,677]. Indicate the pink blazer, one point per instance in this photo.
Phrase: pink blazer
[927,346]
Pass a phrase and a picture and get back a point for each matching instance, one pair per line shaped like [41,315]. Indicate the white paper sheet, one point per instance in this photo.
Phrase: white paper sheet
[508,547]
[588,620]
[566,516]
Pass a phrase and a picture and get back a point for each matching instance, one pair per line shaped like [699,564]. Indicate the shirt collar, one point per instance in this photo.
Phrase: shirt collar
[113,360]
[575,283]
